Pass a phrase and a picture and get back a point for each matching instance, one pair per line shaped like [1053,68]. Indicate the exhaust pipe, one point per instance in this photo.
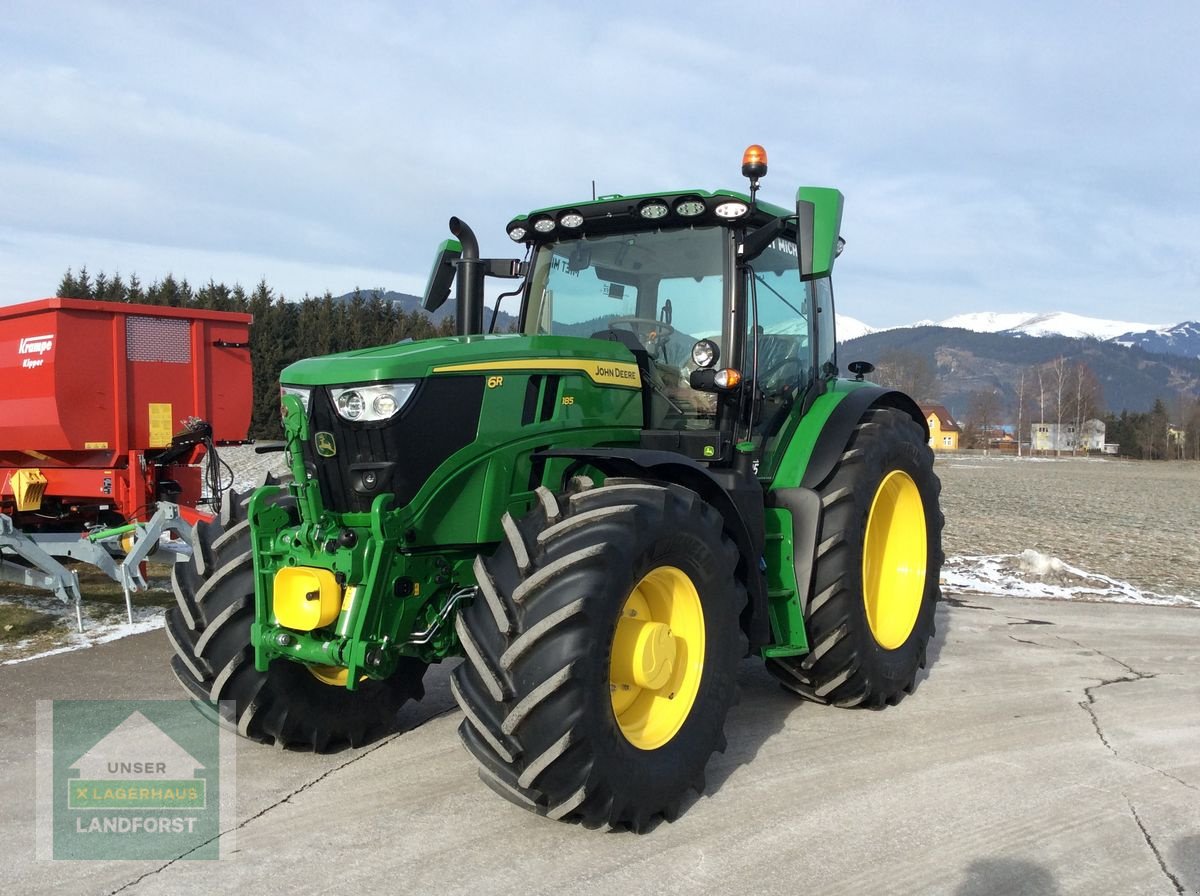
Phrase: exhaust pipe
[468,311]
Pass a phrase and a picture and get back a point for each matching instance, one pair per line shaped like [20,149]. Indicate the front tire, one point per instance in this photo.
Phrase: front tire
[876,579]
[209,630]
[602,653]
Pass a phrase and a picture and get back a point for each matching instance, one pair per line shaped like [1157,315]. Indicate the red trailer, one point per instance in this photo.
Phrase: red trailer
[107,412]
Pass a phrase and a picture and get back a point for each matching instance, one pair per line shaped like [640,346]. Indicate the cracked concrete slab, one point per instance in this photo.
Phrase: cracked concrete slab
[1052,748]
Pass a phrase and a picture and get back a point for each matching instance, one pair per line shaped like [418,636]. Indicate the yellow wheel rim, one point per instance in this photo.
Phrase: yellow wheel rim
[657,657]
[894,560]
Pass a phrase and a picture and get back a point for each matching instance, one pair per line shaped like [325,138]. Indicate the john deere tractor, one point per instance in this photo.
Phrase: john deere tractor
[657,474]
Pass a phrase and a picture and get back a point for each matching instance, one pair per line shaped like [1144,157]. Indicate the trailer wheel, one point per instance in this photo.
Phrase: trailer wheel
[209,630]
[601,654]
[879,558]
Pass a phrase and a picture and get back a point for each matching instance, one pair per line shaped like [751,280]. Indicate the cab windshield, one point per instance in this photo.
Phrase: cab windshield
[657,290]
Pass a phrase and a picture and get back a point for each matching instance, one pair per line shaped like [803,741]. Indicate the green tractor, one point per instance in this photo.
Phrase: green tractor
[658,473]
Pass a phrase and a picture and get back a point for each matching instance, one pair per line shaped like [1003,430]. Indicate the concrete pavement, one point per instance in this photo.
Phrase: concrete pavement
[1052,748]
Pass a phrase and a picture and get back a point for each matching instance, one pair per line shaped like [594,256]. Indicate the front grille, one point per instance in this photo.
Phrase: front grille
[397,455]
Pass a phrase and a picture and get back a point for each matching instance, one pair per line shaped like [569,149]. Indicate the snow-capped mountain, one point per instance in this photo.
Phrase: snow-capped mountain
[981,321]
[851,328]
[1054,323]
[1181,339]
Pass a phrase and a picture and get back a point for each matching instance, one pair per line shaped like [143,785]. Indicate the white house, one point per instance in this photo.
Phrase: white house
[1067,437]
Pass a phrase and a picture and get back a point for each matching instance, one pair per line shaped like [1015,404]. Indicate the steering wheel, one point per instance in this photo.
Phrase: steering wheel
[773,380]
[643,327]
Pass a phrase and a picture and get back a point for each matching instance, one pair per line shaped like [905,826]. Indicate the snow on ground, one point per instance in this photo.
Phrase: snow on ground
[1031,574]
[102,622]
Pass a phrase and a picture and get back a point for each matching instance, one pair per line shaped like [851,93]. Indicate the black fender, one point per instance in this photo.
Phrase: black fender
[737,498]
[840,426]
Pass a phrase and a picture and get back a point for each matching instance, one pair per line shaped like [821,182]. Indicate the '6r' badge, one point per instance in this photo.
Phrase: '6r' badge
[325,445]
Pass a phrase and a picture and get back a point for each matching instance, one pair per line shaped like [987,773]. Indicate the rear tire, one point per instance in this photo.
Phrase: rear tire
[869,624]
[553,721]
[209,630]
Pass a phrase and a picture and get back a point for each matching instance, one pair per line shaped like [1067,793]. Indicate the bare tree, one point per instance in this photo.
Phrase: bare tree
[983,413]
[1059,370]
[1041,396]
[1030,404]
[1078,398]
[1074,395]
[1191,431]
[909,372]
[1087,397]
[1020,408]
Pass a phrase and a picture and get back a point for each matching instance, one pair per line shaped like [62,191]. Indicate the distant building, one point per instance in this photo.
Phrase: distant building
[1000,439]
[943,431]
[1068,437]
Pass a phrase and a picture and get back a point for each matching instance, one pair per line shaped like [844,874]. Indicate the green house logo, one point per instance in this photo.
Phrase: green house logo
[136,767]
[121,779]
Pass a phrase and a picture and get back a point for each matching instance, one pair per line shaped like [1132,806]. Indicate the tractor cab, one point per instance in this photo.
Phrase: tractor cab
[724,302]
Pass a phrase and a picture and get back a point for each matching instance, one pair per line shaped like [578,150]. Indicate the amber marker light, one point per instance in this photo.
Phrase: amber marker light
[754,161]
[729,378]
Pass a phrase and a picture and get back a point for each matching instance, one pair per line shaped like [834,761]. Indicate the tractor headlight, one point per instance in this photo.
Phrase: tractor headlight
[705,353]
[301,392]
[370,404]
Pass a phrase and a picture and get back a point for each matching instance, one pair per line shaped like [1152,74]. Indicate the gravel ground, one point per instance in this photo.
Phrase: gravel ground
[1134,521]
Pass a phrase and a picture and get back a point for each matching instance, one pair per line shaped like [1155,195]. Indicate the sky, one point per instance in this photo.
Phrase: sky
[1001,157]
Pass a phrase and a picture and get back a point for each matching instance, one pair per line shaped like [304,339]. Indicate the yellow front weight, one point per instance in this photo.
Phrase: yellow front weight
[306,597]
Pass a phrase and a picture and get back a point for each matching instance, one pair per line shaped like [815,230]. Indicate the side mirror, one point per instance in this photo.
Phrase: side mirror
[437,290]
[818,226]
[860,368]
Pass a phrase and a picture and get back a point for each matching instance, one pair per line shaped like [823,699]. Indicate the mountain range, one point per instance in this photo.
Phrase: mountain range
[1135,363]
[1177,339]
[964,361]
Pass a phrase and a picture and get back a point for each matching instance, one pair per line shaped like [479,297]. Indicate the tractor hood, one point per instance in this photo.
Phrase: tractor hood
[606,363]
